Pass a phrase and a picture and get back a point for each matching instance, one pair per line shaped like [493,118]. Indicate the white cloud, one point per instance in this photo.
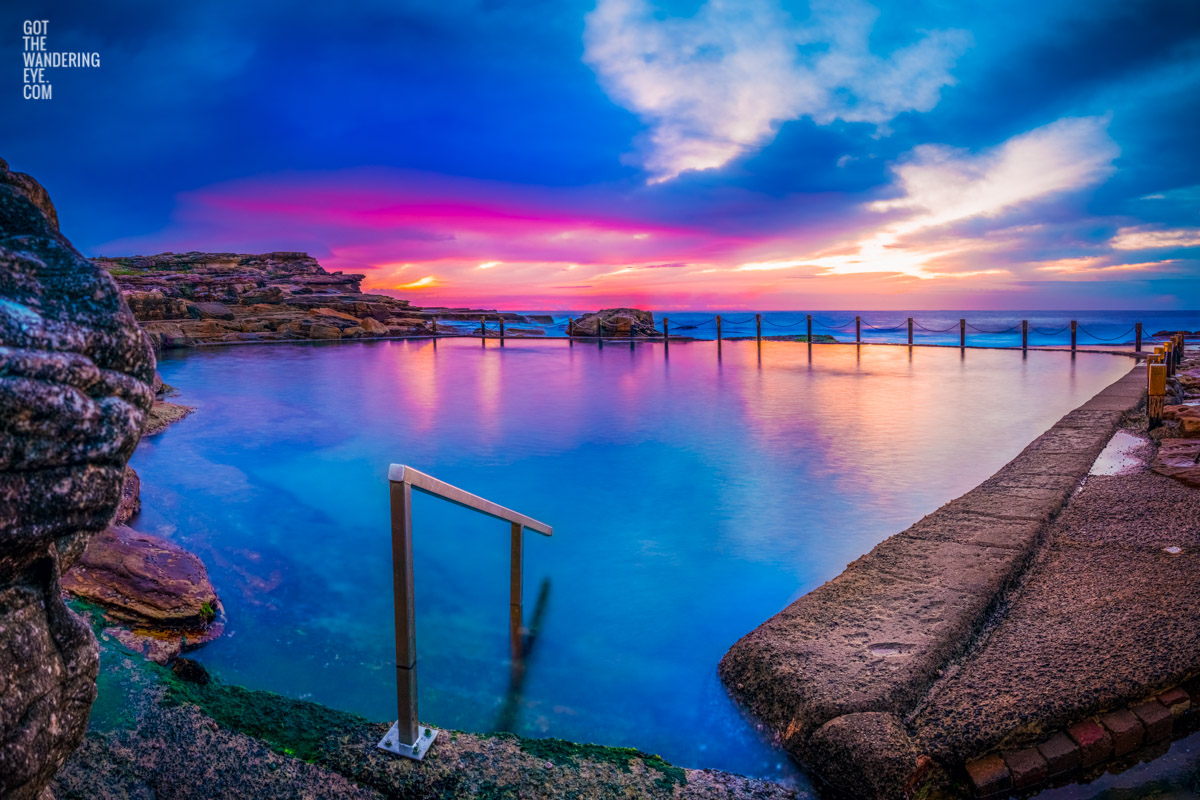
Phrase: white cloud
[1145,238]
[945,184]
[941,185]
[719,83]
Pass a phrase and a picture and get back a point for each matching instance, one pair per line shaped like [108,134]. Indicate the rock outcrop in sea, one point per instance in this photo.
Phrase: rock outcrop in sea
[617,322]
[75,385]
[185,299]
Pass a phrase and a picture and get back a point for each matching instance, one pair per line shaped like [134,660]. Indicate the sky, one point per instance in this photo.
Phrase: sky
[552,154]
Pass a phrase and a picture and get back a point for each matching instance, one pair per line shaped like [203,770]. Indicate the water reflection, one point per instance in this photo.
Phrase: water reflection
[691,499]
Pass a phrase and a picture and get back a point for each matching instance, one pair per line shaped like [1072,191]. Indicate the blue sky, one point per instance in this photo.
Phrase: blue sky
[917,154]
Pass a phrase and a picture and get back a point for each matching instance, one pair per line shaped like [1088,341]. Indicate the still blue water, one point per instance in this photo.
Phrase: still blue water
[1095,329]
[693,495]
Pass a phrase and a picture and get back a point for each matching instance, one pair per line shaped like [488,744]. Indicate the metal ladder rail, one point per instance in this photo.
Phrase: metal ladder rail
[407,737]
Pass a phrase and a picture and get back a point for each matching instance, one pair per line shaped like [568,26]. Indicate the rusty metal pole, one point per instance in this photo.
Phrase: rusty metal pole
[406,627]
[718,330]
[1137,326]
[483,328]
[666,332]
[1024,334]
[758,328]
[502,330]
[515,569]
[1074,325]
[858,330]
[910,331]
[808,317]
[962,333]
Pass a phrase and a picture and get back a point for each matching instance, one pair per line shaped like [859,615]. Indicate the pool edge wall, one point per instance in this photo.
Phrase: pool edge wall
[834,674]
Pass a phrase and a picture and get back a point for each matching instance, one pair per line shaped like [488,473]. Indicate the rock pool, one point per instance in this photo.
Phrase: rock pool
[692,497]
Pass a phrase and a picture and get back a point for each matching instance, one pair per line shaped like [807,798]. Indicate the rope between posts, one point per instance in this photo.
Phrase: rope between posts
[843,326]
[1101,338]
[1050,333]
[777,325]
[935,330]
[738,321]
[1006,330]
[885,330]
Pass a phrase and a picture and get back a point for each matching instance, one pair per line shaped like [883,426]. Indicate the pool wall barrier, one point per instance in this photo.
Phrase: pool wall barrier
[835,673]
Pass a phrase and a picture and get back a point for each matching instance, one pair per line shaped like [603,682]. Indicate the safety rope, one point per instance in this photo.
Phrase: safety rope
[1101,338]
[1006,330]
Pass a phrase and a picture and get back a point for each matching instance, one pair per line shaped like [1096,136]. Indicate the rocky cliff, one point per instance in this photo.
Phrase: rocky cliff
[185,299]
[75,375]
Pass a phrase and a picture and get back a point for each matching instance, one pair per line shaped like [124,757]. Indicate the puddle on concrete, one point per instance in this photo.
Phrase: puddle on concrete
[1173,776]
[1122,455]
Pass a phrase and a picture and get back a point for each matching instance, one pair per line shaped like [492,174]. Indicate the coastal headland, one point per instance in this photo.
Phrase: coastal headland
[190,299]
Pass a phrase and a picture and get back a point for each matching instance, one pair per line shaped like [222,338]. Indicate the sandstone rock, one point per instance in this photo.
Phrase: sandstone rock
[75,375]
[154,305]
[617,322]
[373,327]
[131,500]
[210,310]
[1179,459]
[144,579]
[269,294]
[1187,416]
[324,332]
[331,314]
[167,335]
[163,415]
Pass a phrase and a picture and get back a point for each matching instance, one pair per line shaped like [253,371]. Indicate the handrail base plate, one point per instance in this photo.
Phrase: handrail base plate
[392,744]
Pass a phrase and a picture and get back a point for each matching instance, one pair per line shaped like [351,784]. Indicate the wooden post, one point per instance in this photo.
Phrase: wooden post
[1137,326]
[809,319]
[515,567]
[1073,326]
[600,331]
[758,328]
[502,330]
[1156,375]
[666,332]
[1024,334]
[718,330]
[858,330]
[962,333]
[910,330]
[1169,353]
[406,627]
[483,328]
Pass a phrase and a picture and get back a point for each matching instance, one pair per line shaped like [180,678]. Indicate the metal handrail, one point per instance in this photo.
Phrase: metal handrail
[407,737]
[399,473]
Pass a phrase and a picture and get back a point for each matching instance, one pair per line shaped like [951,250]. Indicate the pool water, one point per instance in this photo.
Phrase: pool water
[694,492]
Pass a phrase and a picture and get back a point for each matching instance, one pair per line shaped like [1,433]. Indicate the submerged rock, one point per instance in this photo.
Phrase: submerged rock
[144,579]
[163,415]
[75,375]
[617,322]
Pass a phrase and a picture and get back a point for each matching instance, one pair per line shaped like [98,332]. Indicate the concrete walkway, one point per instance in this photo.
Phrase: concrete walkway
[860,678]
